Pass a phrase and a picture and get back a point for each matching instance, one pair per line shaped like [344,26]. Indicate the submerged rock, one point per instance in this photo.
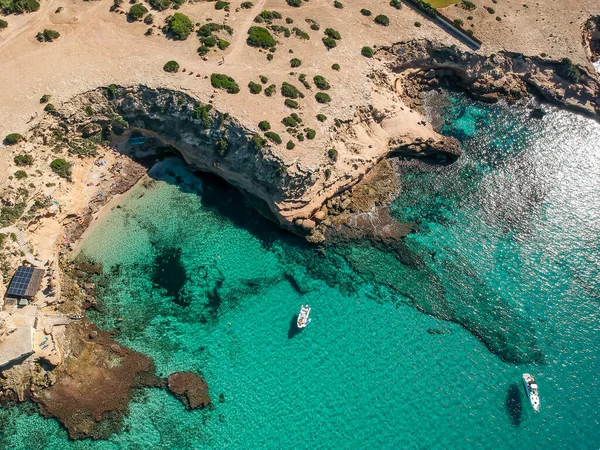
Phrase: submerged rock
[190,389]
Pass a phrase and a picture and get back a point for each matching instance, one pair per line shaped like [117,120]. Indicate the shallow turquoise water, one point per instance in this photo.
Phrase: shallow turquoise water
[507,249]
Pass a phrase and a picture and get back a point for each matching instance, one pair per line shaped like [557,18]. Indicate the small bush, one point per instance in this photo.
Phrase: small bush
[18,6]
[221,146]
[270,57]
[315,26]
[327,173]
[260,37]
[272,136]
[321,82]
[269,91]
[149,19]
[171,67]
[333,154]
[201,112]
[367,52]
[469,32]
[289,90]
[13,138]
[417,24]
[338,5]
[203,50]
[321,117]
[569,70]
[3,24]
[223,44]
[49,108]
[468,5]
[291,103]
[137,11]
[45,98]
[302,79]
[263,79]
[322,97]
[221,5]
[257,142]
[458,23]
[290,145]
[333,34]
[289,20]
[179,26]
[396,4]
[289,122]
[209,41]
[490,10]
[48,35]
[160,5]
[294,3]
[20,174]
[310,133]
[246,5]
[365,12]
[382,20]
[221,81]
[498,18]
[329,43]
[61,168]
[255,88]
[23,160]
[335,66]
[264,125]
[295,62]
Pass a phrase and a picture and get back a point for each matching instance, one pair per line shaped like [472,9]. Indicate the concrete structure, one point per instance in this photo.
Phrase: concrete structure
[16,347]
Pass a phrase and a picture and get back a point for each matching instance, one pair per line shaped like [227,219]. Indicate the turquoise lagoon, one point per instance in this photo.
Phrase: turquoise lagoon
[507,249]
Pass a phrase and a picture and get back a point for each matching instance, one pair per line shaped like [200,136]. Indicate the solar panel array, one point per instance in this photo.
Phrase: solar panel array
[20,282]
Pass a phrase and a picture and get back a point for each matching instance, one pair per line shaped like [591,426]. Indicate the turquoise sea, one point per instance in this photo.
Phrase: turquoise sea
[507,251]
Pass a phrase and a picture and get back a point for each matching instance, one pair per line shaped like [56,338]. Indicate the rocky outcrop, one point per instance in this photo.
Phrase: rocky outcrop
[190,389]
[423,65]
[591,38]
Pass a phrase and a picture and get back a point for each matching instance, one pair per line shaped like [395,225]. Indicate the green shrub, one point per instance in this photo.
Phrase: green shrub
[246,5]
[315,26]
[289,90]
[171,67]
[296,117]
[221,146]
[289,122]
[417,24]
[23,160]
[396,4]
[160,5]
[338,5]
[468,5]
[49,108]
[425,7]
[382,20]
[3,24]
[490,10]
[209,41]
[367,52]
[201,112]
[321,117]
[273,137]
[289,20]
[270,57]
[48,35]
[365,12]
[263,79]
[13,138]
[149,19]
[61,168]
[569,70]
[333,154]
[499,19]
[291,103]
[221,5]
[458,23]
[310,133]
[137,11]
[260,37]
[302,79]
[18,6]
[20,174]
[469,32]
[329,43]
[327,173]
[294,3]
[209,28]
[321,82]
[223,44]
[264,125]
[110,92]
[295,62]
[290,145]
[335,66]
[333,34]
[221,81]
[269,91]
[179,26]
[255,88]
[203,50]
[257,142]
[322,97]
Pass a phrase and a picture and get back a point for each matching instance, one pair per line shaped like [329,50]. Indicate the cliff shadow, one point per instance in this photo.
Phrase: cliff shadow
[514,404]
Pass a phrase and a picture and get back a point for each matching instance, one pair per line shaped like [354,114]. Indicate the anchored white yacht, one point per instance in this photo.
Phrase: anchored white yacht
[303,319]
[531,389]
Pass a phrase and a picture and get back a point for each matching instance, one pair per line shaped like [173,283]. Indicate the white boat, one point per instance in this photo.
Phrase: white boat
[303,319]
[531,389]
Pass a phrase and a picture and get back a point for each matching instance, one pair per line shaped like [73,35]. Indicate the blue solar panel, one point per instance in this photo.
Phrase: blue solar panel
[20,282]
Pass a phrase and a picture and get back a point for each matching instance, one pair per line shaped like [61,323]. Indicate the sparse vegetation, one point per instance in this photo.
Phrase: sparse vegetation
[302,79]
[3,24]
[458,23]
[137,11]
[149,19]
[289,122]
[160,5]
[246,5]
[221,5]
[382,20]
[171,67]
[19,6]
[179,26]
[367,52]
[20,174]
[291,103]
[425,7]
[321,82]
[321,117]
[396,4]
[332,153]
[294,3]
[274,137]
[490,10]
[310,133]
[365,12]
[223,44]
[263,79]
[264,125]
[329,43]
[222,81]
[418,24]
[23,160]
[338,5]
[333,34]
[289,90]
[569,70]
[295,62]
[260,37]
[61,167]
[13,138]
[322,97]
[257,142]
[255,88]
[327,173]
[221,147]
[201,112]
[468,5]
[49,108]
[269,91]
[47,35]
[290,145]
[335,66]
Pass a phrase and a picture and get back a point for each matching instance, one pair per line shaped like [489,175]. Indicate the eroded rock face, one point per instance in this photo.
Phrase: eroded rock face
[190,389]
[94,384]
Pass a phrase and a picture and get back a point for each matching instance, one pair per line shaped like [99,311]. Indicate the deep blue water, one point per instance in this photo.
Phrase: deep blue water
[507,252]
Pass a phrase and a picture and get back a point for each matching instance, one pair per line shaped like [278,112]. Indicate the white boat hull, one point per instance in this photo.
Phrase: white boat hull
[303,319]
[531,390]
